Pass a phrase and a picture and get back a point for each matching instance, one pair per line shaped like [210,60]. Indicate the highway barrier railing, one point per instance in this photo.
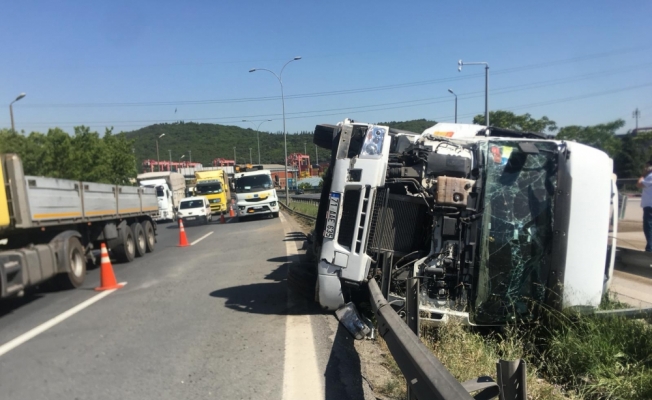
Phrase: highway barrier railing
[425,375]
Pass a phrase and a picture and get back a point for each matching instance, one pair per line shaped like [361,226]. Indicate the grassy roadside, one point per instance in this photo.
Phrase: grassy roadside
[304,208]
[569,356]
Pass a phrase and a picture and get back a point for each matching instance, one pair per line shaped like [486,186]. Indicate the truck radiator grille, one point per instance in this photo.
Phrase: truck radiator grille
[349,214]
[405,225]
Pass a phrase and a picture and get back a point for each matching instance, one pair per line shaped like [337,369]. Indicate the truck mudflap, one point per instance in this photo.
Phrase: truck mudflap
[329,286]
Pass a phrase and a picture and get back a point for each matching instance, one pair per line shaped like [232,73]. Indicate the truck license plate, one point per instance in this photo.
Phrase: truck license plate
[191,218]
[331,217]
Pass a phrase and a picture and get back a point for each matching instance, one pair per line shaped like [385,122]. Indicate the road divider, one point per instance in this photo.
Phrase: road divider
[12,344]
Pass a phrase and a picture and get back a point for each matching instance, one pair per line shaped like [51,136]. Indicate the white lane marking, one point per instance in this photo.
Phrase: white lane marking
[201,238]
[301,377]
[12,344]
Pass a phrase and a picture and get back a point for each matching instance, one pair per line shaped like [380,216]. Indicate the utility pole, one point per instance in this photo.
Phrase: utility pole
[250,159]
[189,155]
[234,162]
[316,155]
[170,165]
[636,114]
[304,148]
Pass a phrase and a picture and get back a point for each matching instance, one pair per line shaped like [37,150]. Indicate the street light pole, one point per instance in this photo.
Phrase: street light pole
[11,110]
[158,159]
[460,63]
[316,155]
[285,140]
[250,160]
[189,155]
[257,134]
[234,158]
[170,165]
[453,93]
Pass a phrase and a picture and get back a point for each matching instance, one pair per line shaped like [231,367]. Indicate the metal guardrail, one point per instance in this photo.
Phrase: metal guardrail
[291,211]
[425,374]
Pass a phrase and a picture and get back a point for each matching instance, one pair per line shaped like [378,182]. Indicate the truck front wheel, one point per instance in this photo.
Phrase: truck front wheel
[125,251]
[75,266]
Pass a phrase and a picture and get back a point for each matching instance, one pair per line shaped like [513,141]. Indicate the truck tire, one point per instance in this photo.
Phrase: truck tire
[125,251]
[150,237]
[75,263]
[139,238]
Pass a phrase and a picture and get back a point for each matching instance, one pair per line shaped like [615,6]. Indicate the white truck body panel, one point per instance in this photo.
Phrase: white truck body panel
[588,231]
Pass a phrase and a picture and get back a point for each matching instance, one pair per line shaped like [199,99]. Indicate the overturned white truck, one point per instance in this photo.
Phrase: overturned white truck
[492,222]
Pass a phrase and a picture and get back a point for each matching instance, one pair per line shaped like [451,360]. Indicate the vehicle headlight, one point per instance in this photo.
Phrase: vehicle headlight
[373,142]
[241,208]
[273,204]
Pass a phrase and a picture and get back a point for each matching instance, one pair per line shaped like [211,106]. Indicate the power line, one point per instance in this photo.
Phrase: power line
[400,104]
[322,114]
[339,92]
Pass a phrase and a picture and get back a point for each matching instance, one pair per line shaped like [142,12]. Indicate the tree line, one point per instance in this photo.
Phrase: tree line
[116,158]
[84,156]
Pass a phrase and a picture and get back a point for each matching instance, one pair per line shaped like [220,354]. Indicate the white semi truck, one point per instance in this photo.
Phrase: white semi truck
[254,192]
[494,223]
[170,189]
[49,227]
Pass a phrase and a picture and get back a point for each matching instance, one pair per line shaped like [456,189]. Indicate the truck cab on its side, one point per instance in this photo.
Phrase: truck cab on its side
[493,222]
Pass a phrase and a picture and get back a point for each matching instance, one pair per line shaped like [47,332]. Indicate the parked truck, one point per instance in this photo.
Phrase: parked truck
[49,227]
[493,223]
[170,189]
[255,192]
[214,185]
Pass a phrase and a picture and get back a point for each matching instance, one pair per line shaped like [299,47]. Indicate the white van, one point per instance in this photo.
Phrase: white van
[195,209]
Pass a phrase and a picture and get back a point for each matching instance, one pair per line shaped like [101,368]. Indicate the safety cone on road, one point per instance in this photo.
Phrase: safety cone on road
[222,220]
[107,277]
[231,212]
[183,240]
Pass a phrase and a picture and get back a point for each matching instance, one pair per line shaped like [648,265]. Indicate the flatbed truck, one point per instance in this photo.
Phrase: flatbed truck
[49,227]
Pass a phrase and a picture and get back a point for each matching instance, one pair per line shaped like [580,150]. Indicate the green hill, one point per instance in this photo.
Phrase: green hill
[210,141]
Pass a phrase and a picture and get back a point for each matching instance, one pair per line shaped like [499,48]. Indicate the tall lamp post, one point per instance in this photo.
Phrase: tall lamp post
[453,93]
[250,160]
[460,63]
[11,110]
[234,162]
[285,140]
[257,134]
[189,155]
[158,159]
[170,164]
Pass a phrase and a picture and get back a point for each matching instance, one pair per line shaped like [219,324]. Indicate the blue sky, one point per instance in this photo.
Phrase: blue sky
[130,64]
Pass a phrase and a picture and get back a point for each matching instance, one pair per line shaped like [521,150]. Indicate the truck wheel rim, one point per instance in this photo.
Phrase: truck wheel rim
[150,237]
[76,263]
[130,245]
[141,241]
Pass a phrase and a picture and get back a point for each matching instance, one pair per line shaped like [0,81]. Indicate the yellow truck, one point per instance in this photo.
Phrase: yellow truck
[214,185]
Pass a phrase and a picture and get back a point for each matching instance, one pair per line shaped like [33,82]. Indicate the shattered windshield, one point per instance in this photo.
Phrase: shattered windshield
[516,232]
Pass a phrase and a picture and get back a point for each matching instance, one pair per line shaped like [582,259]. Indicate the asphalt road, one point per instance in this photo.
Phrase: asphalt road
[214,320]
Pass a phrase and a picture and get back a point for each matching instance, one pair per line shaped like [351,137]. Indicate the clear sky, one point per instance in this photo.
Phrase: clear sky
[130,64]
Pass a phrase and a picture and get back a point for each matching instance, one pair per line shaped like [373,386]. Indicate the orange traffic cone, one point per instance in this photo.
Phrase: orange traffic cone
[222,220]
[231,212]
[183,240]
[107,277]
